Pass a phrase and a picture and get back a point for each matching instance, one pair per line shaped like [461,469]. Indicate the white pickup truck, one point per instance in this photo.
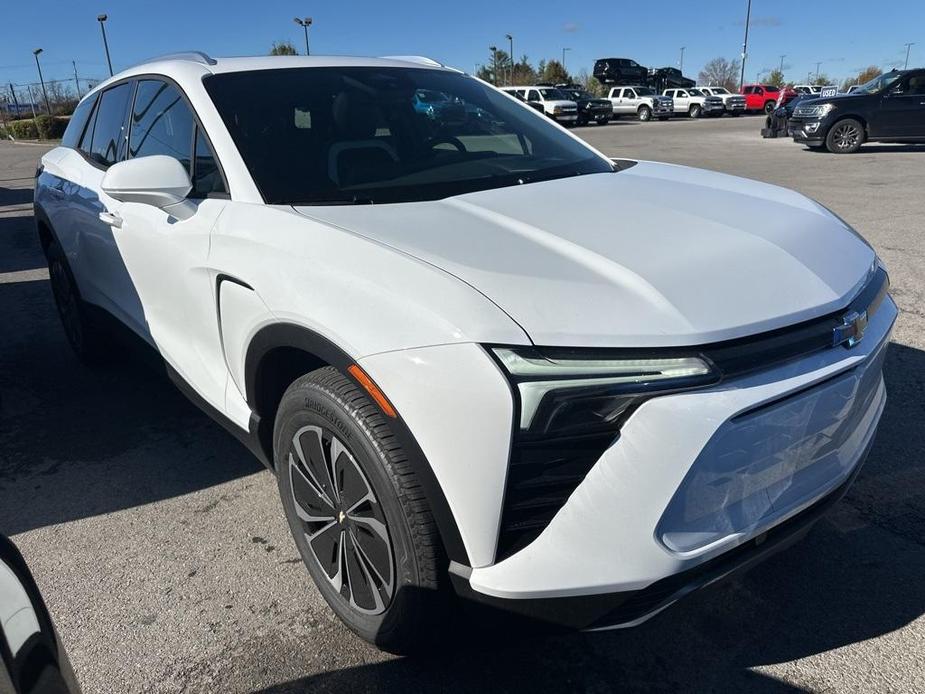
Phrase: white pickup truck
[641,102]
[733,103]
[553,102]
[695,103]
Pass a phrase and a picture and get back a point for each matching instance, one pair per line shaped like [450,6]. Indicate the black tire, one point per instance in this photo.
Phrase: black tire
[769,106]
[644,113]
[694,111]
[90,341]
[603,121]
[845,137]
[328,407]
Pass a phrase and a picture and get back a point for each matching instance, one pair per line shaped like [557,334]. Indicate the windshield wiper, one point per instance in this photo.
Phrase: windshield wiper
[355,200]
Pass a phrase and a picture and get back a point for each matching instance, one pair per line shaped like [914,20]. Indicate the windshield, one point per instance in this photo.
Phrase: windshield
[577,94]
[644,91]
[719,90]
[695,92]
[429,97]
[352,135]
[553,95]
[879,83]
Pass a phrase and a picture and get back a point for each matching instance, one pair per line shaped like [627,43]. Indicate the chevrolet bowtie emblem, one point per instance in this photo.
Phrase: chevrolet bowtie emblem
[851,330]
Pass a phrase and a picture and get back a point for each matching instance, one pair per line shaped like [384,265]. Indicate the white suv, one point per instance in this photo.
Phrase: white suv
[461,386]
[551,100]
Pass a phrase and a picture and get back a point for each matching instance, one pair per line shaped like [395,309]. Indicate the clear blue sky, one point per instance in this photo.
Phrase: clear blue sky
[846,35]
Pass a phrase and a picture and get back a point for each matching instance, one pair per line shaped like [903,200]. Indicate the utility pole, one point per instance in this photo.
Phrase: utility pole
[32,102]
[510,38]
[101,18]
[563,58]
[76,80]
[781,68]
[42,79]
[908,46]
[15,100]
[817,70]
[748,19]
[304,23]
[681,61]
[494,64]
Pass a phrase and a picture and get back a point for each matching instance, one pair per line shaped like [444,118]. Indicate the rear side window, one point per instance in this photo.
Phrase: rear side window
[78,123]
[161,123]
[108,131]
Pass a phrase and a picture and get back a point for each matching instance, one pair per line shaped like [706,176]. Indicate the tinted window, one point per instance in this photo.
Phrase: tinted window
[106,148]
[78,123]
[206,176]
[161,123]
[367,143]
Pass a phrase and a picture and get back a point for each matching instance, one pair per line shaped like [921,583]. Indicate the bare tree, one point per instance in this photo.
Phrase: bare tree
[721,73]
[283,48]
[864,76]
[590,83]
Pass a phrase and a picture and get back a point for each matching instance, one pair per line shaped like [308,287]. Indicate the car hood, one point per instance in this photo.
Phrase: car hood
[656,255]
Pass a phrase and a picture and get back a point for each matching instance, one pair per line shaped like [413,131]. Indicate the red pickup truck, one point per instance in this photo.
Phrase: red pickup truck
[760,97]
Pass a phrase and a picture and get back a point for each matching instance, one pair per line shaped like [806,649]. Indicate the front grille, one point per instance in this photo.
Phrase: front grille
[541,477]
[543,473]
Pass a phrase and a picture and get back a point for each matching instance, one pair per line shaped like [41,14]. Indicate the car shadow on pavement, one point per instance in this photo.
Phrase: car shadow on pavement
[15,196]
[857,576]
[19,249]
[77,442]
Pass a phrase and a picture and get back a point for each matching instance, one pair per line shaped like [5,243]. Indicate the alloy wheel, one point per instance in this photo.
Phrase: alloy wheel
[342,520]
[846,136]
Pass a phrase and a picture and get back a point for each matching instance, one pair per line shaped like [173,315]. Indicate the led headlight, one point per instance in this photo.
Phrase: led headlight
[572,392]
[808,111]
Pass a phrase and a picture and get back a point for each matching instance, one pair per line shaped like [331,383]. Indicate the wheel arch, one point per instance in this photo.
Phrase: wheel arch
[44,228]
[281,352]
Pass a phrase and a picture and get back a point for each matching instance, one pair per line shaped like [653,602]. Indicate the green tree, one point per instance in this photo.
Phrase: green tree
[590,83]
[283,48]
[822,79]
[524,72]
[553,72]
[720,72]
[776,77]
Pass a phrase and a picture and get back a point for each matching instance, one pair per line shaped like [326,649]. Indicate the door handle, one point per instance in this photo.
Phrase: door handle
[111,219]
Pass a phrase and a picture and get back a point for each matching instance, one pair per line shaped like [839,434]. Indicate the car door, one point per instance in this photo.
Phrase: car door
[902,110]
[629,101]
[167,258]
[682,101]
[103,279]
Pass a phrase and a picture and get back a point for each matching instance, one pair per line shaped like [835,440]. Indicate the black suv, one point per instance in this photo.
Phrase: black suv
[620,71]
[889,108]
[590,107]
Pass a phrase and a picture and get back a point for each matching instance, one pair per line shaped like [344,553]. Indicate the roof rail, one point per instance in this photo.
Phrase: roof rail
[193,56]
[419,59]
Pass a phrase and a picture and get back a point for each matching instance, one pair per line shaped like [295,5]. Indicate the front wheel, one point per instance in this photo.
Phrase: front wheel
[357,512]
[845,137]
[694,111]
[769,106]
[644,113]
[603,121]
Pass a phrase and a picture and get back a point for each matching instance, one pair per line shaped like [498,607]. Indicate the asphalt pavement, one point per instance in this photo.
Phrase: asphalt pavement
[162,552]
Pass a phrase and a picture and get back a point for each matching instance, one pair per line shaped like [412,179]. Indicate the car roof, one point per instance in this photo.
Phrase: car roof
[198,64]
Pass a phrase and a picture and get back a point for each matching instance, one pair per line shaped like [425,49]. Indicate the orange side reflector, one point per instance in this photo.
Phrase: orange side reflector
[373,390]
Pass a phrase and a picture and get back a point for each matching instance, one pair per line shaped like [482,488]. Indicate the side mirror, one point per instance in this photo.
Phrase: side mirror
[158,180]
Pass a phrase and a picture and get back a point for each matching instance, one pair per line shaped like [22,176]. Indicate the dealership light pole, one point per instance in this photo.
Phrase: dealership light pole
[304,23]
[781,68]
[102,20]
[681,61]
[748,19]
[817,70]
[563,59]
[908,46]
[41,79]
[511,39]
[494,64]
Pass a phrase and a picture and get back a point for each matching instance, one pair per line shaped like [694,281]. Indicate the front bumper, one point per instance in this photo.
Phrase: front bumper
[807,131]
[693,481]
[712,107]
[565,117]
[735,106]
